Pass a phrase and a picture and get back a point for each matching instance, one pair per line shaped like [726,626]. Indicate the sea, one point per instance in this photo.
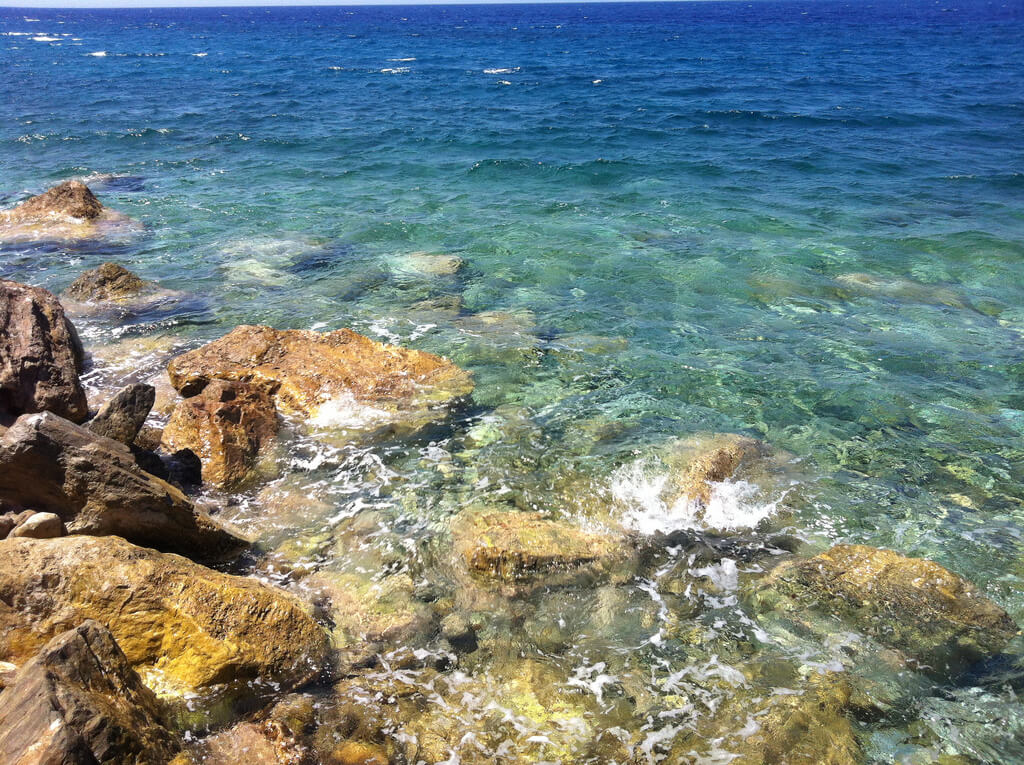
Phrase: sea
[796,220]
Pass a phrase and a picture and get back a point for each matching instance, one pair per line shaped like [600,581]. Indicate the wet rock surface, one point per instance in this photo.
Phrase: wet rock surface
[78,700]
[917,606]
[108,281]
[225,425]
[184,627]
[94,485]
[41,356]
[67,212]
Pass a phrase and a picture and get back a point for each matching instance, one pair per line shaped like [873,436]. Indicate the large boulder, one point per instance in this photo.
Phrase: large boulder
[108,281]
[337,379]
[121,418]
[94,485]
[67,212]
[79,702]
[183,626]
[225,425]
[916,606]
[40,355]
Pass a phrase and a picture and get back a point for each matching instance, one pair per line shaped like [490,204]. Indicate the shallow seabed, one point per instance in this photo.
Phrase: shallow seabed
[797,221]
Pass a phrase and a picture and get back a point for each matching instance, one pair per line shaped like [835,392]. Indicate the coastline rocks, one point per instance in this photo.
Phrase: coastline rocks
[512,547]
[107,282]
[121,418]
[79,701]
[67,212]
[704,461]
[113,289]
[225,425]
[40,355]
[914,605]
[337,379]
[94,485]
[184,627]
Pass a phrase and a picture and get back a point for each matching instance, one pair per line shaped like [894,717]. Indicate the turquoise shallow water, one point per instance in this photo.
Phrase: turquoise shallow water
[797,221]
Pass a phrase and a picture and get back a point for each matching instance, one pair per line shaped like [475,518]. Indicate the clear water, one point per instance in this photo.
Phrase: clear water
[799,221]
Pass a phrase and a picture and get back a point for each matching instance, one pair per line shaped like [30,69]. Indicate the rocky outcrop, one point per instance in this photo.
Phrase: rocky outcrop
[108,281]
[122,417]
[512,547]
[337,379]
[914,605]
[94,485]
[184,627]
[68,212]
[225,425]
[78,701]
[699,463]
[40,355]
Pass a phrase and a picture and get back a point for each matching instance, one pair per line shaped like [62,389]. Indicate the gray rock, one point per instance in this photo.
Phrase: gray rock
[39,526]
[93,484]
[79,701]
[122,417]
[40,355]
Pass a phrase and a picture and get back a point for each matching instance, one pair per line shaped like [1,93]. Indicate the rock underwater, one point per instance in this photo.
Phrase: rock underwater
[68,212]
[41,356]
[184,627]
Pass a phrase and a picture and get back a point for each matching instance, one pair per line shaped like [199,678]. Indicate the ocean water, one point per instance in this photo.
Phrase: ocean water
[800,221]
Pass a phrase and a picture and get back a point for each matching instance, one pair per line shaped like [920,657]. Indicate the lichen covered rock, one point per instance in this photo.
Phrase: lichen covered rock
[225,425]
[184,627]
[337,379]
[79,701]
[40,355]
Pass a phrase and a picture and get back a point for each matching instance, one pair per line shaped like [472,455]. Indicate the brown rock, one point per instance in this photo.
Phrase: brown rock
[251,744]
[67,212]
[358,753]
[122,417]
[911,604]
[704,461]
[108,281]
[304,370]
[181,625]
[40,355]
[71,198]
[79,701]
[39,526]
[94,485]
[225,425]
[514,546]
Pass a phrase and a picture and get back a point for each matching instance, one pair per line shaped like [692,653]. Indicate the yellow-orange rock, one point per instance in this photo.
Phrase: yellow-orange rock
[339,378]
[182,626]
[68,212]
[700,462]
[225,426]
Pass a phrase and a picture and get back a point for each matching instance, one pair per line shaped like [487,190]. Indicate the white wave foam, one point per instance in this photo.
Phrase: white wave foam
[395,70]
[16,34]
[402,60]
[46,38]
[345,412]
[200,55]
[97,54]
[733,505]
[504,82]
[505,70]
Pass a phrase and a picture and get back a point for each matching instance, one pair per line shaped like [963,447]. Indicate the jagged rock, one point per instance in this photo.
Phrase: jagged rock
[225,425]
[78,701]
[122,417]
[39,526]
[108,281]
[67,212]
[911,604]
[337,379]
[93,484]
[183,626]
[511,546]
[701,462]
[40,355]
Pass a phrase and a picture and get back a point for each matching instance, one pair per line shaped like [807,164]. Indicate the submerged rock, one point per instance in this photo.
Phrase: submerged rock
[911,604]
[705,461]
[40,355]
[900,288]
[338,379]
[94,485]
[108,281]
[67,212]
[249,743]
[225,425]
[111,288]
[79,701]
[426,264]
[513,547]
[184,627]
[121,418]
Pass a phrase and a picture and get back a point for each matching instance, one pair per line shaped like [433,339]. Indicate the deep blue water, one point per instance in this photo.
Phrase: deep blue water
[799,220]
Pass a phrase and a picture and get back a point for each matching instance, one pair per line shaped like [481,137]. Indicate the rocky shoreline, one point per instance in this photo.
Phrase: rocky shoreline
[124,632]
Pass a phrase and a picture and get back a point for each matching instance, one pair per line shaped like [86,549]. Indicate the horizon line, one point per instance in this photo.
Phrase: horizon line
[332,4]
